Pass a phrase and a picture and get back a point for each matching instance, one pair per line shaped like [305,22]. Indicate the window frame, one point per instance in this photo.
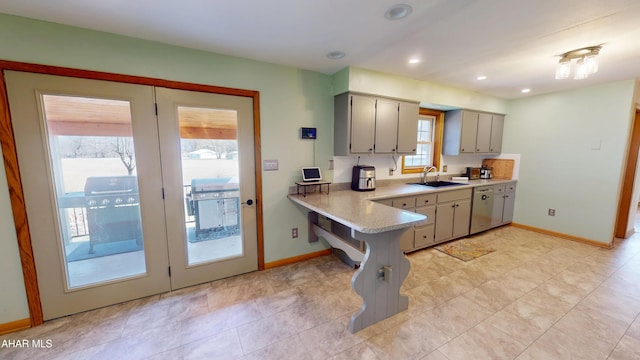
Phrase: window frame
[437,140]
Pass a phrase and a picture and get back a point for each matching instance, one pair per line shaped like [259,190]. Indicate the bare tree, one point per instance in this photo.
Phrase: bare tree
[123,146]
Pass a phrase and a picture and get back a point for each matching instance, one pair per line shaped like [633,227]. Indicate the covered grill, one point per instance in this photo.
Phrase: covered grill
[113,209]
[215,205]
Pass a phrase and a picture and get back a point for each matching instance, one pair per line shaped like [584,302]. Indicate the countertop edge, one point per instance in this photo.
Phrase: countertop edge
[367,199]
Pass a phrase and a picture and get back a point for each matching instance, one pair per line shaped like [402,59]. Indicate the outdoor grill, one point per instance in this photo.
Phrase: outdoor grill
[113,209]
[215,205]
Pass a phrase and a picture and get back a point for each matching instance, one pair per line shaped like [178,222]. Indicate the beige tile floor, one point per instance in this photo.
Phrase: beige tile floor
[536,297]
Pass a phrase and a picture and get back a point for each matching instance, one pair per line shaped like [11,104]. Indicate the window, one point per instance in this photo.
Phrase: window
[429,140]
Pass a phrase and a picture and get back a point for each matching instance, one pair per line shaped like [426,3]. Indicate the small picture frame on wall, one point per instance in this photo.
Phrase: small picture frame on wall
[308,133]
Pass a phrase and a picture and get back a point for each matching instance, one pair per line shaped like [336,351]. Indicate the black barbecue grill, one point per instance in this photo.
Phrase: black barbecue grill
[113,209]
[215,205]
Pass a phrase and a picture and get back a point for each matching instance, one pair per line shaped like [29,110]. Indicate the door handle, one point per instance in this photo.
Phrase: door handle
[248,202]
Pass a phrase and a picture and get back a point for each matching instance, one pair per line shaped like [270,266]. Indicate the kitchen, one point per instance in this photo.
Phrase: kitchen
[558,136]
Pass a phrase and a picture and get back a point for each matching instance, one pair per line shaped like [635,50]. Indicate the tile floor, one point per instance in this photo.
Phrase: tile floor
[536,297]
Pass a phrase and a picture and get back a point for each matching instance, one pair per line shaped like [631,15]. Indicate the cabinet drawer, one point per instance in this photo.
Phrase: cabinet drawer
[405,203]
[424,236]
[388,202]
[454,195]
[429,212]
[424,200]
[499,188]
[511,187]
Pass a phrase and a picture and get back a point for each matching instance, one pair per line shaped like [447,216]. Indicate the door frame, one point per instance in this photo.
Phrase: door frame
[10,159]
[628,182]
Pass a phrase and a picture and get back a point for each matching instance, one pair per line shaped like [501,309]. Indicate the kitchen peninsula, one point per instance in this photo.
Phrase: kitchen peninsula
[383,267]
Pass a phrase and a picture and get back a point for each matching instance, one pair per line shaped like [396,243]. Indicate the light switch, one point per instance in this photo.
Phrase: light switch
[270,165]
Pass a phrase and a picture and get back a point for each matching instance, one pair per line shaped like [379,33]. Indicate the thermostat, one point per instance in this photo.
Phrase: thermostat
[307,133]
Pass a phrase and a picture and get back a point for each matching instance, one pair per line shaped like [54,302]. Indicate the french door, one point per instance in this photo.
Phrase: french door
[116,197]
[208,167]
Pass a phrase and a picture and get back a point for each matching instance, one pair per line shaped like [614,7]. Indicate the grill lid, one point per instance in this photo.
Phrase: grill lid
[212,184]
[110,185]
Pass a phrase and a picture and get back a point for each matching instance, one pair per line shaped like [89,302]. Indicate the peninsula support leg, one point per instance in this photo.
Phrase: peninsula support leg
[379,278]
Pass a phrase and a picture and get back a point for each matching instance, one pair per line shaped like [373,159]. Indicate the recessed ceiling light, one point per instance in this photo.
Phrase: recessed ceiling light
[336,55]
[524,91]
[397,12]
[481,77]
[414,61]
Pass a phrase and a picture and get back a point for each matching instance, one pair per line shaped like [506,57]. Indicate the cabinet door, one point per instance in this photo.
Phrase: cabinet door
[444,221]
[363,119]
[408,128]
[497,125]
[483,139]
[429,212]
[386,135]
[462,218]
[469,132]
[406,240]
[498,206]
[423,236]
[509,202]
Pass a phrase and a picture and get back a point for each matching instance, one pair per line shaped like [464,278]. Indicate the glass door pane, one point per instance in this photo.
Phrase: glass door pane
[209,153]
[91,151]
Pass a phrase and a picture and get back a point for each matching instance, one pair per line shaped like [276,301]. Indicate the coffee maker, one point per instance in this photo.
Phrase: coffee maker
[363,178]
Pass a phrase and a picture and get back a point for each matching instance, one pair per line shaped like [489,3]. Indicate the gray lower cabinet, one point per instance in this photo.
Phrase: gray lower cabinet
[503,204]
[449,214]
[453,215]
[448,217]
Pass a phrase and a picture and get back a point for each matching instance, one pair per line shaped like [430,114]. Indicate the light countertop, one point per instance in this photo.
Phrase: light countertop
[356,209]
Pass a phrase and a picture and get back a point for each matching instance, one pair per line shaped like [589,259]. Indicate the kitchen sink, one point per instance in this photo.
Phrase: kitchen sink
[437,183]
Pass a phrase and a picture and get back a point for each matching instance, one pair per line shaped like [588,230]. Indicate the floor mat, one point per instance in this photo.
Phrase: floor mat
[464,249]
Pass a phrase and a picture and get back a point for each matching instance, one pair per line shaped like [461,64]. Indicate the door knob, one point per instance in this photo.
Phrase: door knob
[248,202]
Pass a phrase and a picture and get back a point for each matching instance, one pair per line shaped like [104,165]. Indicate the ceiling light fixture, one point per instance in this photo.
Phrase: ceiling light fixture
[524,91]
[414,61]
[586,63]
[481,77]
[336,55]
[397,12]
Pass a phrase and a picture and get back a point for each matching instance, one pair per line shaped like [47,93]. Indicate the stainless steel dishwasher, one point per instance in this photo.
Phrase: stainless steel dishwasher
[482,209]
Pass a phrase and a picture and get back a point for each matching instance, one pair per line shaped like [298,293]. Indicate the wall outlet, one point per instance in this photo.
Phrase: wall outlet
[390,172]
[444,168]
[330,164]
[294,233]
[552,212]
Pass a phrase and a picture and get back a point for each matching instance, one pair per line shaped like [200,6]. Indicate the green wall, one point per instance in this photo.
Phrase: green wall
[573,147]
[290,98]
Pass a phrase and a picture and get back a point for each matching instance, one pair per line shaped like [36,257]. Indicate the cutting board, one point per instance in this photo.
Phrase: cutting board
[502,168]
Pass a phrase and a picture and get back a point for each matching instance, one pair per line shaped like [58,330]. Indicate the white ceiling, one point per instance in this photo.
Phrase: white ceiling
[514,43]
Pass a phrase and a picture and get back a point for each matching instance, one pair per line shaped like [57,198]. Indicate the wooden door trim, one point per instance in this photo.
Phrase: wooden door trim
[18,208]
[10,159]
[628,181]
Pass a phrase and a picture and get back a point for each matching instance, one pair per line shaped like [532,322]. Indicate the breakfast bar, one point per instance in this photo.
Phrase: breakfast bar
[384,266]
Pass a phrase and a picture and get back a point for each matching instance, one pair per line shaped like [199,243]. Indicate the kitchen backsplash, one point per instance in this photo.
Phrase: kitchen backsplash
[456,165]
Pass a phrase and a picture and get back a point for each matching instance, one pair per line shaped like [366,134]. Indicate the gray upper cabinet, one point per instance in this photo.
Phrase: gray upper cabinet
[408,128]
[365,124]
[471,132]
[483,139]
[497,124]
[386,126]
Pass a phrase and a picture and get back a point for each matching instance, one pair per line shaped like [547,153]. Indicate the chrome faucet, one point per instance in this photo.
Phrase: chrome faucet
[427,169]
